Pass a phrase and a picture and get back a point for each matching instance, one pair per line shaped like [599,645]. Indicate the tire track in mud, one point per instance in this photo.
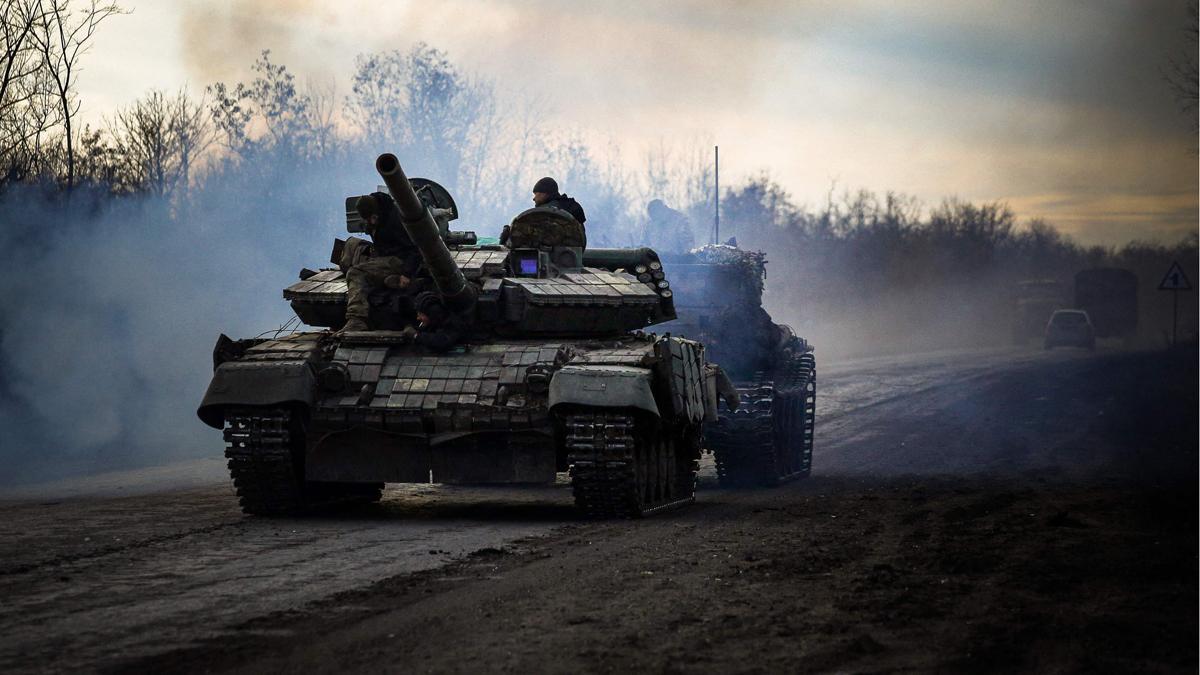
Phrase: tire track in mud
[84,608]
[69,558]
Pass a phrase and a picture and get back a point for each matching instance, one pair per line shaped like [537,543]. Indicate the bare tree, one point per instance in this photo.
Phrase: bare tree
[62,34]
[158,140]
[25,111]
[419,103]
[271,114]
[322,98]
[193,134]
[17,20]
[144,136]
[1182,74]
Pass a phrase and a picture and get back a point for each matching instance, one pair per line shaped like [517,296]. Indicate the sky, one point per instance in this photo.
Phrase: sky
[1057,108]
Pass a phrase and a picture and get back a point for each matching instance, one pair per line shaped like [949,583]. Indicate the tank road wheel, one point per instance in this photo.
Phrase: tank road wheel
[265,448]
[623,467]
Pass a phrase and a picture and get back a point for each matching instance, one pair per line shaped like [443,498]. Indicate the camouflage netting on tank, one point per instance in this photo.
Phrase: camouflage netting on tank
[754,263]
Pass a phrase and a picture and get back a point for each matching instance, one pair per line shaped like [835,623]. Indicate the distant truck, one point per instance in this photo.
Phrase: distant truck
[1033,303]
[1110,297]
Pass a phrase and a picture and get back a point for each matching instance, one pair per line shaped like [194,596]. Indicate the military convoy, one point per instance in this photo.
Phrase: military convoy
[1109,295]
[768,439]
[553,372]
[1034,301]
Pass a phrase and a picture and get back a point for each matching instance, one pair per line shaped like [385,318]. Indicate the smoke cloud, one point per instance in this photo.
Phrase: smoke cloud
[113,306]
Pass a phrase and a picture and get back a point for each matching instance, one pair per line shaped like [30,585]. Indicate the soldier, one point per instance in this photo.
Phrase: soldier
[440,329]
[668,229]
[545,193]
[393,260]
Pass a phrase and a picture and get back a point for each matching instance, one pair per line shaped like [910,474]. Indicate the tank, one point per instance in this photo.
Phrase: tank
[551,371]
[769,438]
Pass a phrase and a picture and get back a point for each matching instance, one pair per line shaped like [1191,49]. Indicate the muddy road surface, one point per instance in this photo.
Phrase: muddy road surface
[972,511]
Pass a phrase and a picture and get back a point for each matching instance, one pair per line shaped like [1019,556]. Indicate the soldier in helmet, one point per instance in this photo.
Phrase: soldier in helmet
[545,193]
[668,229]
[392,262]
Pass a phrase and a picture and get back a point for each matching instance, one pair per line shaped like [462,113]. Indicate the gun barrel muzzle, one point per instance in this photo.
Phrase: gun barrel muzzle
[423,230]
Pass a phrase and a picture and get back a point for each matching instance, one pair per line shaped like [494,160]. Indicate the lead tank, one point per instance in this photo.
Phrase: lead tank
[769,438]
[553,372]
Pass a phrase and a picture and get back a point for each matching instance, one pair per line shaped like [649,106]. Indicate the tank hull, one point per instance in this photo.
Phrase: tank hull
[343,413]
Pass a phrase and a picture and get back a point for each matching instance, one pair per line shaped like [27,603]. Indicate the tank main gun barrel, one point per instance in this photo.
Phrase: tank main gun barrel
[423,230]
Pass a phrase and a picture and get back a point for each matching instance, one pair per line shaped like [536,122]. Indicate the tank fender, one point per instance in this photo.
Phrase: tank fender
[603,386]
[256,383]
[718,385]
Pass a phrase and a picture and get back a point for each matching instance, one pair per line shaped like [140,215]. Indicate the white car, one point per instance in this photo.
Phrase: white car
[1070,327]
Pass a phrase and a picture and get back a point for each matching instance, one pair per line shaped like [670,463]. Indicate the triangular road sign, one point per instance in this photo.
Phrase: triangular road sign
[1175,280]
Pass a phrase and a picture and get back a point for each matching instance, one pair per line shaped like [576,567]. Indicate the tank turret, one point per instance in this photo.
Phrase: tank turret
[544,282]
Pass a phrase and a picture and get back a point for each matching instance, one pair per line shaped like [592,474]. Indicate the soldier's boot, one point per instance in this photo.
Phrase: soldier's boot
[354,323]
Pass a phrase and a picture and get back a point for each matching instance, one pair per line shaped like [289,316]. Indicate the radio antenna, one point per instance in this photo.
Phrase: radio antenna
[716,194]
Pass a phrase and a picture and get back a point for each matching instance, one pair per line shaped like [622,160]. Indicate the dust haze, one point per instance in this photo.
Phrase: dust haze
[109,328]
[118,292]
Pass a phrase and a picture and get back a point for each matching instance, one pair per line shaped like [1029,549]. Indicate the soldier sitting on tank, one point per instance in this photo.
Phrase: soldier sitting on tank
[439,329]
[668,229]
[545,193]
[392,261]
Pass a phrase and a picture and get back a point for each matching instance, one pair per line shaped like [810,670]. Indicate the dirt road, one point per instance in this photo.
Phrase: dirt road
[1003,510]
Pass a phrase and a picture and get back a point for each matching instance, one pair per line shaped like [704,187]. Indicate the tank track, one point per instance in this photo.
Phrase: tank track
[769,439]
[619,470]
[264,450]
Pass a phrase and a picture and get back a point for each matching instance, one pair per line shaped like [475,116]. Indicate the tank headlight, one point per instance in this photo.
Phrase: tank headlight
[334,377]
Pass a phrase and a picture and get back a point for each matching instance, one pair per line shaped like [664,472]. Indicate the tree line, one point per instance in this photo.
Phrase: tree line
[291,151]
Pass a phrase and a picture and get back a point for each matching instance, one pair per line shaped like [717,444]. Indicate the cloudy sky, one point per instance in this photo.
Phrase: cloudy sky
[1058,108]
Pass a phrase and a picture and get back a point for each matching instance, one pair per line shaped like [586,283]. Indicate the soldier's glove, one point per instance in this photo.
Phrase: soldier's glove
[397,281]
[409,332]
